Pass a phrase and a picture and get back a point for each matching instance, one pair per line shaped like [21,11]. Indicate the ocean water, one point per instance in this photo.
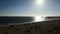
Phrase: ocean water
[7,20]
[23,20]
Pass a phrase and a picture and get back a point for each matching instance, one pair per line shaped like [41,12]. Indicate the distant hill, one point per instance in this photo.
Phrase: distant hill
[52,17]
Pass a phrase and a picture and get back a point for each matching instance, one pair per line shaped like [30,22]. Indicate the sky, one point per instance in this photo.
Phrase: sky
[29,7]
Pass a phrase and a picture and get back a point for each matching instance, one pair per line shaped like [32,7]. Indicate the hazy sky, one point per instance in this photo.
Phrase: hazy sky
[29,7]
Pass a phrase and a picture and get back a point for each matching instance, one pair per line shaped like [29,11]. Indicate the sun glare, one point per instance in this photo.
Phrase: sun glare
[38,18]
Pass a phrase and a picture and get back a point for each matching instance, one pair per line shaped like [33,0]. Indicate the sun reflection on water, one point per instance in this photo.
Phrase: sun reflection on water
[38,18]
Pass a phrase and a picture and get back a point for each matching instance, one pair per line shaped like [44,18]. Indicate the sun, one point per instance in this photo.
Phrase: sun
[39,2]
[38,18]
